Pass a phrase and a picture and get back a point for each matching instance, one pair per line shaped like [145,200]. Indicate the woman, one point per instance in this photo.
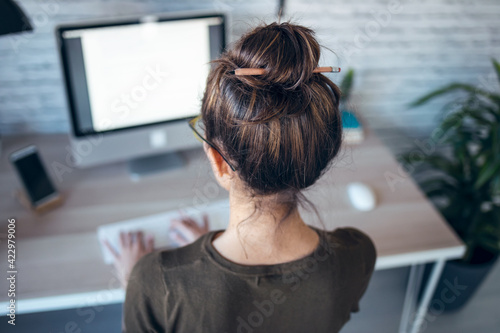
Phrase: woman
[268,137]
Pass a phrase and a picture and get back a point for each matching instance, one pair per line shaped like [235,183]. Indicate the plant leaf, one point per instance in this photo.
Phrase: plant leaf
[496,66]
[487,172]
[346,84]
[451,88]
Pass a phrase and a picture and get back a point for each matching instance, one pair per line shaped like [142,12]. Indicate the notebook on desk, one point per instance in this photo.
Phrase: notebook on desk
[157,225]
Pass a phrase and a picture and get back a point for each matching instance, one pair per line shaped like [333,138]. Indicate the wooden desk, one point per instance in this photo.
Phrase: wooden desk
[58,256]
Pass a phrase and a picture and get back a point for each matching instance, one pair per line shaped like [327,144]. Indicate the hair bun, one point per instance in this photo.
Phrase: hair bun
[289,54]
[279,130]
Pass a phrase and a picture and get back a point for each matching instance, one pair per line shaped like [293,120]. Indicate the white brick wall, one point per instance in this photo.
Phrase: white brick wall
[418,45]
[422,45]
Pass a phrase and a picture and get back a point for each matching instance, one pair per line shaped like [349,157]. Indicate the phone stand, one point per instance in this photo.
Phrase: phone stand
[49,205]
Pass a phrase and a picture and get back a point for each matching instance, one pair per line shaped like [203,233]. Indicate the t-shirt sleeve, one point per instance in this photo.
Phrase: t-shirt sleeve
[366,258]
[144,307]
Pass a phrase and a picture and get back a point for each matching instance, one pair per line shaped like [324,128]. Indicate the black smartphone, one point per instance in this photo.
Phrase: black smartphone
[38,186]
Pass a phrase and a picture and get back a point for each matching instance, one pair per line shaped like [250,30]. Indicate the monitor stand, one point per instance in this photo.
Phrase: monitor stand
[144,166]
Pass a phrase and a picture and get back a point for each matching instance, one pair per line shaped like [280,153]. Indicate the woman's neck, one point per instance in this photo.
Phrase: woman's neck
[267,235]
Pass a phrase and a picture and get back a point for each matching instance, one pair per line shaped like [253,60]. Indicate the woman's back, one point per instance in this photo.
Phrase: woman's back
[269,133]
[195,289]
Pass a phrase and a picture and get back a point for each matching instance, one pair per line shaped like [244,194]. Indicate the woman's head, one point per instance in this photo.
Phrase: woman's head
[279,130]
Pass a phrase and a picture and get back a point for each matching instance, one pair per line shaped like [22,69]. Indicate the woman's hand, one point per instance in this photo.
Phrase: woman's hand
[185,230]
[133,246]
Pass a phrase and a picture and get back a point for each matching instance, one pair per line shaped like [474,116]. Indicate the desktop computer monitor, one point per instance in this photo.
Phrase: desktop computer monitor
[132,84]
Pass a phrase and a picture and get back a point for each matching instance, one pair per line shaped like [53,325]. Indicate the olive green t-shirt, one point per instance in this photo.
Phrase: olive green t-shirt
[195,289]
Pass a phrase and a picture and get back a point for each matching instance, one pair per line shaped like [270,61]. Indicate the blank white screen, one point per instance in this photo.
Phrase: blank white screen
[146,73]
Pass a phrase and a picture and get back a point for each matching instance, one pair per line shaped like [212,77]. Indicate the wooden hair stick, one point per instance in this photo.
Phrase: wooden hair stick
[262,71]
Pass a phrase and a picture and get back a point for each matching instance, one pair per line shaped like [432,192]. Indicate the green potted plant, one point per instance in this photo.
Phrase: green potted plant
[461,176]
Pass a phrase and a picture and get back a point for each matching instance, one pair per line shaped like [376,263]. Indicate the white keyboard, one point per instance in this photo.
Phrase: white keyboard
[157,225]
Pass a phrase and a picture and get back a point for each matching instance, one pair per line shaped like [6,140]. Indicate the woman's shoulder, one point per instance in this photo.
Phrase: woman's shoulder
[350,237]
[351,242]
[186,255]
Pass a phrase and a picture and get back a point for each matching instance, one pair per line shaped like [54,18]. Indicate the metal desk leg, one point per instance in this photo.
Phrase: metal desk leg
[414,280]
[426,298]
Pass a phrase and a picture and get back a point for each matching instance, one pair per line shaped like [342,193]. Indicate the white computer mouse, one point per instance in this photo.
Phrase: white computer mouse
[361,196]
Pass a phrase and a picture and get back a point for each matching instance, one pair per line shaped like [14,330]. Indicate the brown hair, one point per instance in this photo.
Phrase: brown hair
[282,129]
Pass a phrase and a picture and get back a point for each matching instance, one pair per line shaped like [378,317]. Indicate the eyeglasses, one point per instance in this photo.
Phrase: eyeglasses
[198,130]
